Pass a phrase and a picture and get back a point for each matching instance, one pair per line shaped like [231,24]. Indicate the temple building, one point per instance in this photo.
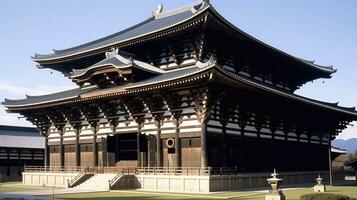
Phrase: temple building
[184,88]
[19,146]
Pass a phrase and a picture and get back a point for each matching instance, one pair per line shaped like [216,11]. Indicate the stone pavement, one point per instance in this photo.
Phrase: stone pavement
[41,194]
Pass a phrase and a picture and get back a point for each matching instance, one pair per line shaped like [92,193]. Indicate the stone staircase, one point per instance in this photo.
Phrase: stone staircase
[98,182]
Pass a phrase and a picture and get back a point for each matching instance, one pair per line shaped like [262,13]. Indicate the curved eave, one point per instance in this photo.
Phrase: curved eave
[55,58]
[184,79]
[326,69]
[25,106]
[116,91]
[291,96]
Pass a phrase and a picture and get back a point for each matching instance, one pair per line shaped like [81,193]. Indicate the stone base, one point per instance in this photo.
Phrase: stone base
[319,188]
[277,196]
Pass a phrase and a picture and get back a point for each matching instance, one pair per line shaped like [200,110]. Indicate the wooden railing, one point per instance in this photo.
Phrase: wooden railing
[67,169]
[174,170]
[198,171]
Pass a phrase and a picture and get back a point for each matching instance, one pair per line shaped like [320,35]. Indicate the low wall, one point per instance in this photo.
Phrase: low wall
[47,178]
[232,182]
[259,180]
[172,183]
[186,183]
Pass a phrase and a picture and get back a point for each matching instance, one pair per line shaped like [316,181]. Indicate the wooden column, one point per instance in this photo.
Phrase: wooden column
[32,158]
[330,163]
[19,162]
[177,141]
[7,163]
[117,155]
[159,162]
[140,163]
[223,144]
[46,152]
[78,153]
[204,159]
[95,127]
[61,147]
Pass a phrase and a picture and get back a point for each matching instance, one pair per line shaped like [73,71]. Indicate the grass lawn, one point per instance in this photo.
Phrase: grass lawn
[14,186]
[136,195]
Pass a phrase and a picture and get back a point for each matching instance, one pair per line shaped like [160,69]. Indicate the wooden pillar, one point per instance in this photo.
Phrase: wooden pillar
[19,162]
[159,162]
[224,144]
[32,158]
[117,155]
[95,147]
[8,163]
[77,150]
[61,148]
[330,163]
[140,164]
[177,141]
[46,153]
[148,152]
[204,159]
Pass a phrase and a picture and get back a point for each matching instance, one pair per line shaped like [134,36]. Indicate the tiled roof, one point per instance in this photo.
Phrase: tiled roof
[153,24]
[20,137]
[74,93]
[68,94]
[175,75]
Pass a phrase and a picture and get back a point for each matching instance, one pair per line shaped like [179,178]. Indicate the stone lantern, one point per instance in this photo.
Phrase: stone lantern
[274,193]
[319,187]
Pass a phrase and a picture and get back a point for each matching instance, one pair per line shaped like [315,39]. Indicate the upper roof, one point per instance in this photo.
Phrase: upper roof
[156,24]
[20,137]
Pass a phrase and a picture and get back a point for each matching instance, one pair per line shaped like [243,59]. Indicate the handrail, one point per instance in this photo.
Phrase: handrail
[76,178]
[116,178]
[123,171]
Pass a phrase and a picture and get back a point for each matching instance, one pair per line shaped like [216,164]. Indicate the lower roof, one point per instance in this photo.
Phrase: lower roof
[160,80]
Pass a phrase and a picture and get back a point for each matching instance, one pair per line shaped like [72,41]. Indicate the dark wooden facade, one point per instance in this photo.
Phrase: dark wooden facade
[196,92]
[16,153]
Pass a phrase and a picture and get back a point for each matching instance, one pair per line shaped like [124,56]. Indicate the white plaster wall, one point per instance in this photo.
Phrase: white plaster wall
[171,183]
[47,179]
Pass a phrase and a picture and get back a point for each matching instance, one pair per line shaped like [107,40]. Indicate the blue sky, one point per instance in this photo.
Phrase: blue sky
[320,30]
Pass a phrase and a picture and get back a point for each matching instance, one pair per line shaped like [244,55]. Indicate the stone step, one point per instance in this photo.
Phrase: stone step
[97,182]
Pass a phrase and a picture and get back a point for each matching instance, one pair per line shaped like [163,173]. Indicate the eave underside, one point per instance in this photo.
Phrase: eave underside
[290,112]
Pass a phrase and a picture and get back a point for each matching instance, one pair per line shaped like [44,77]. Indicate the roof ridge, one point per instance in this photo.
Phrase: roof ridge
[95,41]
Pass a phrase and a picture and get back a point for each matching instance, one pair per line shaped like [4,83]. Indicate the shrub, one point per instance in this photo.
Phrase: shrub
[324,196]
